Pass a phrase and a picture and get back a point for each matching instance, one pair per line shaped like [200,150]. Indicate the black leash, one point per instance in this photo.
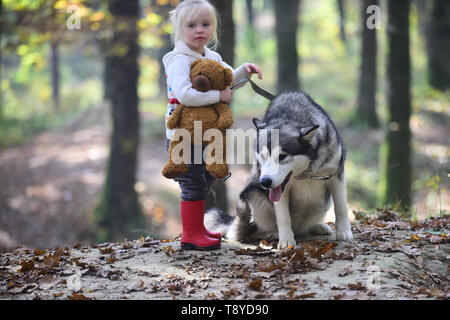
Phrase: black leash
[259,91]
[256,88]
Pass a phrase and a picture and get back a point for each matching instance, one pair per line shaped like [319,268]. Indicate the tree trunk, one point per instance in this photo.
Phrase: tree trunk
[250,13]
[119,213]
[341,8]
[107,76]
[1,32]
[162,10]
[54,49]
[368,71]
[438,45]
[218,196]
[286,16]
[397,169]
[226,30]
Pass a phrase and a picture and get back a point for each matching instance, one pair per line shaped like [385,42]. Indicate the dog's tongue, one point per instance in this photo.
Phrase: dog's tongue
[275,194]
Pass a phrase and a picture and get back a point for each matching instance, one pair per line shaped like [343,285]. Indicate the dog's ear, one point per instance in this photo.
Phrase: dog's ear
[309,132]
[259,124]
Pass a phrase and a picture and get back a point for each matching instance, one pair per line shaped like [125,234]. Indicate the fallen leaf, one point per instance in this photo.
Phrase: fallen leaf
[388,215]
[136,286]
[27,265]
[337,288]
[439,239]
[39,252]
[345,271]
[169,251]
[256,284]
[422,290]
[210,295]
[413,238]
[78,296]
[307,295]
[338,296]
[106,250]
[356,286]
[254,252]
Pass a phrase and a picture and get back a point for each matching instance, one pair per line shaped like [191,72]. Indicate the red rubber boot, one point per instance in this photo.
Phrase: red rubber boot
[216,235]
[193,237]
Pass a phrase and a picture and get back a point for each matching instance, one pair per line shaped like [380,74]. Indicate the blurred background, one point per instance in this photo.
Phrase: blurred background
[83,98]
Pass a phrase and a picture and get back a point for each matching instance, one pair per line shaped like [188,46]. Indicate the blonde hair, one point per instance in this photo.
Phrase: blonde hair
[188,10]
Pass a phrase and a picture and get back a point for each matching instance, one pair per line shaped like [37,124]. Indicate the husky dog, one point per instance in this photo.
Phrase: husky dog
[290,188]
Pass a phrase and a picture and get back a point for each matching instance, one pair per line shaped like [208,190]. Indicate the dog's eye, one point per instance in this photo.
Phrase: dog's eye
[281,157]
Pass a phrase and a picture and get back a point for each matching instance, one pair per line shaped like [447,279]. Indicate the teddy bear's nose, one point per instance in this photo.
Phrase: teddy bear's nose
[201,83]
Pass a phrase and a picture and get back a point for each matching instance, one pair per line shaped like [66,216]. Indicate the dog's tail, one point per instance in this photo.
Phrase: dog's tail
[237,227]
[218,221]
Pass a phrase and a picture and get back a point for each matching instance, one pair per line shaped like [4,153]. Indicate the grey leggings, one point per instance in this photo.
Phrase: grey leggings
[196,181]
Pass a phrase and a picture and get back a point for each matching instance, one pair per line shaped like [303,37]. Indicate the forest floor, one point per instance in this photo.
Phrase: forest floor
[388,259]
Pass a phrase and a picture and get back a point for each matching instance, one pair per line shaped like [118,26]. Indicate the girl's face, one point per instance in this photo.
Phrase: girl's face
[197,32]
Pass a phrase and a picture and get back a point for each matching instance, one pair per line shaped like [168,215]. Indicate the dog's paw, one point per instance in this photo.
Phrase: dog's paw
[343,231]
[320,229]
[344,235]
[285,243]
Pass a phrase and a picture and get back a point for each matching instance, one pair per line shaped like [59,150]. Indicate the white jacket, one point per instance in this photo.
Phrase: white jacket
[177,64]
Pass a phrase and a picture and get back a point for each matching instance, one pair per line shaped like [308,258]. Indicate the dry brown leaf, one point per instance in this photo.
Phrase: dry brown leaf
[78,296]
[39,252]
[357,286]
[254,252]
[306,295]
[27,265]
[256,284]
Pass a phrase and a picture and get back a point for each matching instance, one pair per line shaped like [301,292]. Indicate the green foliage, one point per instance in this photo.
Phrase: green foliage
[28,108]
[23,4]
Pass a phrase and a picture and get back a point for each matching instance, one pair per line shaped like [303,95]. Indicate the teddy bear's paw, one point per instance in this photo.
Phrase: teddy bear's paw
[172,122]
[224,124]
[217,171]
[171,171]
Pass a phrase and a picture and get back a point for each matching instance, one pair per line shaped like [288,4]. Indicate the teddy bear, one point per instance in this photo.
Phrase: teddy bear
[205,75]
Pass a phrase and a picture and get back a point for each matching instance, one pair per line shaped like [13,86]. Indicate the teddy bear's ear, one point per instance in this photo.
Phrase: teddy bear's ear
[228,76]
[196,62]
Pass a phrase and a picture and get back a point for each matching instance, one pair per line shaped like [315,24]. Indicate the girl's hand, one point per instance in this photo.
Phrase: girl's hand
[225,96]
[253,68]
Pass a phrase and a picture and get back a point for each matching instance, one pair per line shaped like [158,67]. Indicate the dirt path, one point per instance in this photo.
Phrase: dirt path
[48,183]
[389,259]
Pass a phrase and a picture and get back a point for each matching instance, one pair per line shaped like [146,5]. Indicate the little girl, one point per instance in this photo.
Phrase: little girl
[194,25]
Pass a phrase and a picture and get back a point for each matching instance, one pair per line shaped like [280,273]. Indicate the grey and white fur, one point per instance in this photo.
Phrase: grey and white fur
[292,182]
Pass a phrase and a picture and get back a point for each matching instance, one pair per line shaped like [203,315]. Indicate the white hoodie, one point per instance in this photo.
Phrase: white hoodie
[177,64]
